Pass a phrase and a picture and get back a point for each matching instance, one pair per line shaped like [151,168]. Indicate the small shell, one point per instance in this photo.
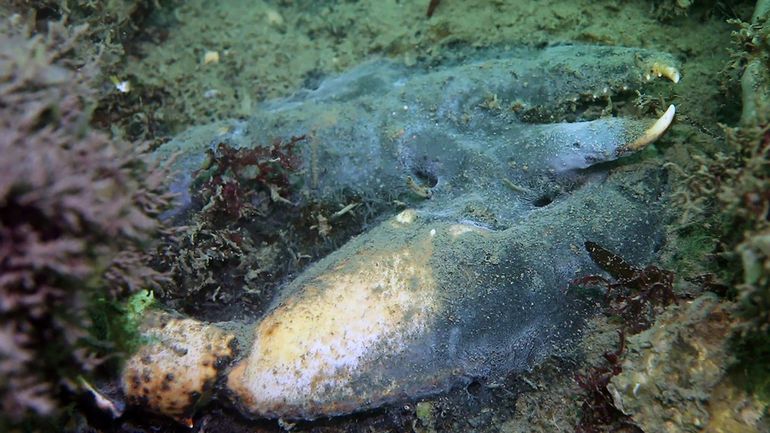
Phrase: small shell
[211,57]
[274,18]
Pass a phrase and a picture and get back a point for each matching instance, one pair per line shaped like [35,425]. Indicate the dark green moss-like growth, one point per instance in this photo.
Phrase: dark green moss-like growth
[730,193]
[110,33]
[747,197]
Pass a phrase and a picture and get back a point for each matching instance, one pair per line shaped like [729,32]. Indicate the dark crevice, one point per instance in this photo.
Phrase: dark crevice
[543,200]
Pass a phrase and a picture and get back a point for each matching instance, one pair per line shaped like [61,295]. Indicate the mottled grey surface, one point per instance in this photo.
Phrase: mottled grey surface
[531,190]
[371,128]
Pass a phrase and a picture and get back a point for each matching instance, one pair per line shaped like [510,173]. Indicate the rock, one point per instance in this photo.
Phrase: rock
[674,376]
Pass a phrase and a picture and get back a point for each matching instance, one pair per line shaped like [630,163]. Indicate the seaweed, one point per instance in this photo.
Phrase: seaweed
[635,292]
[733,190]
[598,411]
[250,231]
[235,177]
[77,215]
[746,198]
[111,32]
[633,295]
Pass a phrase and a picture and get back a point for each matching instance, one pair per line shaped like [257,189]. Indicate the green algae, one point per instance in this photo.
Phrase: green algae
[116,324]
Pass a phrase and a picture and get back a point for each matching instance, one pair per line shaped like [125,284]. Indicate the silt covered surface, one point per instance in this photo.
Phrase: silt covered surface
[698,39]
[209,62]
[470,281]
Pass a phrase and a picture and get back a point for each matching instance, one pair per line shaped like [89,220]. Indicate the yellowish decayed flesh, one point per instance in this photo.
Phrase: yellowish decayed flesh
[177,367]
[309,346]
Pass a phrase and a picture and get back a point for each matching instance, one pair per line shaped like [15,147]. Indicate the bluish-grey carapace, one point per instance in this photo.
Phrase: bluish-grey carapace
[469,280]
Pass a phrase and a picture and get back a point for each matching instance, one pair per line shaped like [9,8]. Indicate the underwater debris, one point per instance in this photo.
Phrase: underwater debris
[432,7]
[417,305]
[635,293]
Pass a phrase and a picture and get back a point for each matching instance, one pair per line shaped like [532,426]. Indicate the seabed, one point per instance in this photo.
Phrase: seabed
[408,216]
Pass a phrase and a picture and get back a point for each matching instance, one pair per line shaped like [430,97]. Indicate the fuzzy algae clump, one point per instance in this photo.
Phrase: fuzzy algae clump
[77,210]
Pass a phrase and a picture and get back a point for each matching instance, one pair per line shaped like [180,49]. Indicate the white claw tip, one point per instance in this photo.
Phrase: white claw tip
[653,132]
[674,75]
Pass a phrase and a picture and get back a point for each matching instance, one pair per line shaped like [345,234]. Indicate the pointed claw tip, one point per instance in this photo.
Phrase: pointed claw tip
[669,114]
[652,133]
[671,73]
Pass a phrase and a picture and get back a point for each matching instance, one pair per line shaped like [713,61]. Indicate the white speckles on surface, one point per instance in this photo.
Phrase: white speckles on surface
[311,345]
